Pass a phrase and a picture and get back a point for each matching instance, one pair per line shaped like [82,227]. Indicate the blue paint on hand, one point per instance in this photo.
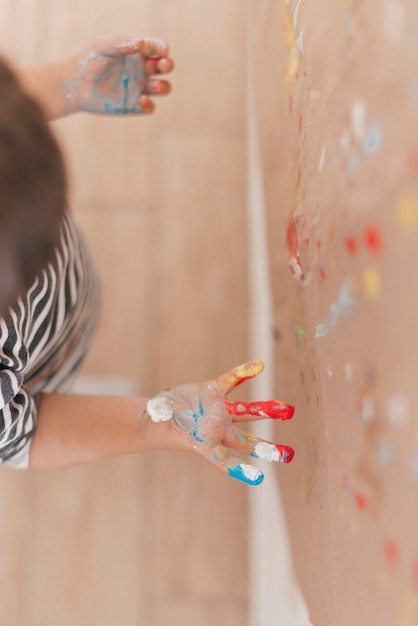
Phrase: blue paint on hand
[246,474]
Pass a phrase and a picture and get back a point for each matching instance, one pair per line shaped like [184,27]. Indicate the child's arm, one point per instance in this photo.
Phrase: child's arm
[195,417]
[111,75]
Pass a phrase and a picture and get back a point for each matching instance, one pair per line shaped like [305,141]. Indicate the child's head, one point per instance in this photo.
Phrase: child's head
[32,190]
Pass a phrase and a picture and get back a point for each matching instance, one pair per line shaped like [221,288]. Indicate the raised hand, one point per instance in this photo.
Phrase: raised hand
[199,417]
[116,76]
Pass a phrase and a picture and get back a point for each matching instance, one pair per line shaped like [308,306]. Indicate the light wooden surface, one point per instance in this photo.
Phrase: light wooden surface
[157,539]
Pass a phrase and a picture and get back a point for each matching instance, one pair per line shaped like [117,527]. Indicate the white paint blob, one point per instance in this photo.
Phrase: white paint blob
[368,411]
[267,452]
[250,472]
[358,119]
[394,19]
[330,371]
[322,158]
[159,409]
[398,409]
[348,371]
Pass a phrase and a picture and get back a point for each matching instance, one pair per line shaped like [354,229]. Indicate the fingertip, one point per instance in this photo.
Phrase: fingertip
[147,106]
[247,474]
[165,65]
[287,453]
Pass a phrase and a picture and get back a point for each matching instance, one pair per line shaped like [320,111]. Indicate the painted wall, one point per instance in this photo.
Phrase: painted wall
[337,100]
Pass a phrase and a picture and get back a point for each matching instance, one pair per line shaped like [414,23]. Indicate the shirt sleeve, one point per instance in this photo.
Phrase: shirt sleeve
[18,407]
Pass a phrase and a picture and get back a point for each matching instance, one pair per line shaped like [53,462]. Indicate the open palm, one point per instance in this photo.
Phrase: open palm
[199,416]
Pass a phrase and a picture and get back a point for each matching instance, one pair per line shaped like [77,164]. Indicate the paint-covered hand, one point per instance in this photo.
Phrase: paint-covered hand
[199,417]
[117,76]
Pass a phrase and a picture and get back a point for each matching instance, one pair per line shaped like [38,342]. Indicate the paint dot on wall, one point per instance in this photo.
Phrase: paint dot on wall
[351,246]
[383,580]
[413,465]
[322,273]
[367,409]
[391,552]
[299,332]
[348,371]
[330,372]
[322,156]
[413,161]
[398,409]
[385,452]
[394,20]
[407,615]
[353,162]
[372,283]
[407,209]
[354,526]
[415,574]
[373,239]
[360,501]
[358,116]
[373,138]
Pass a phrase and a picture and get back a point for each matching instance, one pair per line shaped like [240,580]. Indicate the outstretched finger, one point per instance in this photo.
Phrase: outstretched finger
[260,410]
[157,87]
[125,44]
[151,48]
[237,468]
[246,443]
[227,382]
[158,66]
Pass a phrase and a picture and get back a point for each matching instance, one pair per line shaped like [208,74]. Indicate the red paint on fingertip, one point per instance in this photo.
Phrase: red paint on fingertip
[286,453]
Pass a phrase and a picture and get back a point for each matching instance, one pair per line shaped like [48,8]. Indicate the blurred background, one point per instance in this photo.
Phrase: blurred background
[154,539]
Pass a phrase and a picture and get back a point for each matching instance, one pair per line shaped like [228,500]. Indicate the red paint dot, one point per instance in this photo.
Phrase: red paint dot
[351,246]
[415,574]
[373,239]
[360,501]
[322,273]
[319,245]
[413,161]
[391,552]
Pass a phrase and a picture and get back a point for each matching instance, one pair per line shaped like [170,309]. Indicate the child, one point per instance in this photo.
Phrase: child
[49,296]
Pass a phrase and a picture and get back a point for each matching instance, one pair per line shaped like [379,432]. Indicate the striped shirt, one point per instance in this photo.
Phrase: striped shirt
[43,340]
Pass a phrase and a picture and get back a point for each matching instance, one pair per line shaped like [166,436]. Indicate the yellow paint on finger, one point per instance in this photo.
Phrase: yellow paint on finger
[407,209]
[372,283]
[231,379]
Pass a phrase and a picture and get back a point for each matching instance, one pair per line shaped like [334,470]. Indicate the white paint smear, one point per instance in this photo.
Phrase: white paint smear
[358,120]
[322,159]
[398,410]
[250,472]
[394,19]
[159,409]
[267,452]
[368,411]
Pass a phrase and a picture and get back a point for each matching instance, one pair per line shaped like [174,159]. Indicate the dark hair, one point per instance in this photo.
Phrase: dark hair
[32,190]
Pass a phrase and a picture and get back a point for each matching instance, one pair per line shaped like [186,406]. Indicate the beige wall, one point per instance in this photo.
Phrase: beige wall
[338,122]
